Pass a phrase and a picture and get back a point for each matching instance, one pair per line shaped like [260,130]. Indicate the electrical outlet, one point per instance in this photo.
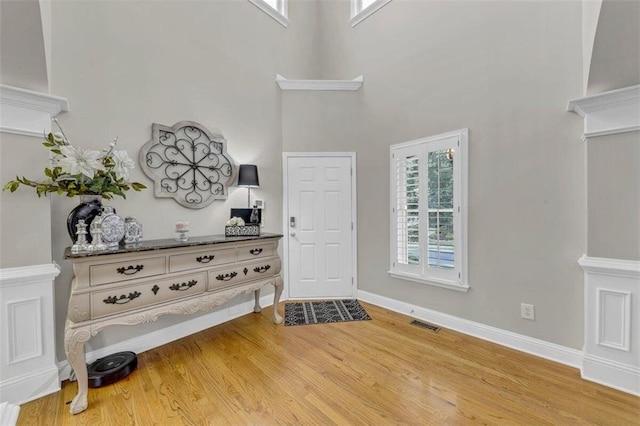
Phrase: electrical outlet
[527,311]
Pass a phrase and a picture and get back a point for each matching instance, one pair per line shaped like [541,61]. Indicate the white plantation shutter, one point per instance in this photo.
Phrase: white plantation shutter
[406,185]
[428,210]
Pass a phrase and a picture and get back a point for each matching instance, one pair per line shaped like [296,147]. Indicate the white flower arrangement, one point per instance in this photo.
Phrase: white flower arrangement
[78,171]
[235,221]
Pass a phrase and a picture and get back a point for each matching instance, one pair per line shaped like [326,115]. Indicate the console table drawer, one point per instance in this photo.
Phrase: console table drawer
[225,277]
[256,251]
[120,271]
[121,299]
[201,259]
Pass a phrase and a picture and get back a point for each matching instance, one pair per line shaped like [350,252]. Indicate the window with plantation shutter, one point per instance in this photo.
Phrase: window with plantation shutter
[428,210]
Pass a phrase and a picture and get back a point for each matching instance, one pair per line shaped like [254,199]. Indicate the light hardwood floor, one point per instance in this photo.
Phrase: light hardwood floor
[384,371]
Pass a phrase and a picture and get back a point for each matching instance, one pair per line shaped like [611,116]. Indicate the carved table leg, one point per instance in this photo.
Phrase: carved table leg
[74,340]
[278,286]
[257,308]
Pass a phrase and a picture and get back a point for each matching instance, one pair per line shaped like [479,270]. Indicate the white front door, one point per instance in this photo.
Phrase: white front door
[319,214]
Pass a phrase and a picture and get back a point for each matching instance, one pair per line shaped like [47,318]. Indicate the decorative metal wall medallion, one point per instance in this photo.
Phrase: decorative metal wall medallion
[188,163]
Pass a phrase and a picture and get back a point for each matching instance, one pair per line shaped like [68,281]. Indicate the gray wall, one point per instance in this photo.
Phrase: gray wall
[613,170]
[429,67]
[614,196]
[25,220]
[23,62]
[615,62]
[138,63]
[504,70]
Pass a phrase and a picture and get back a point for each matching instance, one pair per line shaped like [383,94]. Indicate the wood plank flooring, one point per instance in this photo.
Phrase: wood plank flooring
[380,372]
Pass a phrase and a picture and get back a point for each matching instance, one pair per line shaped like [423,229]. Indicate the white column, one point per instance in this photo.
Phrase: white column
[28,368]
[612,313]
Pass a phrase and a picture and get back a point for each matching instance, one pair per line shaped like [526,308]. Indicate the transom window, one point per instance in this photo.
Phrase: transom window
[362,9]
[428,210]
[277,9]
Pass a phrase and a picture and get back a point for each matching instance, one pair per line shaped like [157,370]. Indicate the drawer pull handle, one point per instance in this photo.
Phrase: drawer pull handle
[261,269]
[226,277]
[115,300]
[205,259]
[130,270]
[183,286]
[255,252]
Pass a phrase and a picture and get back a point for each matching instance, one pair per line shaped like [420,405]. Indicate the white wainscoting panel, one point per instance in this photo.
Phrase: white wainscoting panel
[614,318]
[612,308]
[28,368]
[24,319]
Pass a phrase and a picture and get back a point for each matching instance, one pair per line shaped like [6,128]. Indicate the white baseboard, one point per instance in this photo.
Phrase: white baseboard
[30,386]
[623,377]
[169,334]
[8,414]
[541,348]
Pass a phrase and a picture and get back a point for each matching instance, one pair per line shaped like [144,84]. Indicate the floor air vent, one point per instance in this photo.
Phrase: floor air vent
[426,326]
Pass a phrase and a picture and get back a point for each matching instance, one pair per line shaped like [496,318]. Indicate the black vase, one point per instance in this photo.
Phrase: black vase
[87,210]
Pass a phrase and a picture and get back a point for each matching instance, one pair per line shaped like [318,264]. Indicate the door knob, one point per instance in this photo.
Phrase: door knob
[293,234]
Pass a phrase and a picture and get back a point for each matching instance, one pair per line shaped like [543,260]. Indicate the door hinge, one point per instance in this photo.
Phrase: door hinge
[351,280]
[352,226]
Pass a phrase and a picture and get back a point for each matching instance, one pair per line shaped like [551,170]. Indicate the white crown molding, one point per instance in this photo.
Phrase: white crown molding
[611,267]
[29,113]
[616,111]
[286,84]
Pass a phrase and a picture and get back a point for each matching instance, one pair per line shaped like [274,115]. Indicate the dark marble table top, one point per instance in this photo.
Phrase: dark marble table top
[169,243]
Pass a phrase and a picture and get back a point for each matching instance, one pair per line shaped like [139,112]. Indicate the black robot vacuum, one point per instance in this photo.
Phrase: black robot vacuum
[110,369]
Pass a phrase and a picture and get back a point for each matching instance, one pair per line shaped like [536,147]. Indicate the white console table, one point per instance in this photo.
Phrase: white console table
[136,284]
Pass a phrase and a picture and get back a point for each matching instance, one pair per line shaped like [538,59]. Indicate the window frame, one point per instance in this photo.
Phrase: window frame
[279,14]
[359,13]
[455,278]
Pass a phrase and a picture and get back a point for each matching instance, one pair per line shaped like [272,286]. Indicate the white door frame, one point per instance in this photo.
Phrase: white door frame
[285,213]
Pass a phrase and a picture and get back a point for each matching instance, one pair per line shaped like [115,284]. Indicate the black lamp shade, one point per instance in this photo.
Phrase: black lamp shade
[248,175]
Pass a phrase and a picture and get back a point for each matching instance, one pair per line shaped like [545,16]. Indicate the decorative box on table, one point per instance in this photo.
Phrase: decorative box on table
[242,231]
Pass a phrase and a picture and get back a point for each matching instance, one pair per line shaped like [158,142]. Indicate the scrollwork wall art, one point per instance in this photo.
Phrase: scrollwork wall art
[189,163]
